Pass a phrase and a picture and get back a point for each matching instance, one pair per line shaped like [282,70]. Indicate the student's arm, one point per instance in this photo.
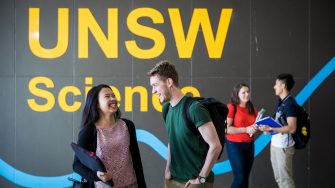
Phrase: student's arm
[167,168]
[231,129]
[210,136]
[291,112]
[290,128]
[234,130]
[84,140]
[251,129]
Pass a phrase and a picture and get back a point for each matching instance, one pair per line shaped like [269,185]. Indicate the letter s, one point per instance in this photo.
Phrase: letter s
[48,96]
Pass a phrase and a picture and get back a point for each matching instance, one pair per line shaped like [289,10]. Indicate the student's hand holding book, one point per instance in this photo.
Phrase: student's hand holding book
[259,116]
[268,125]
[252,129]
[265,128]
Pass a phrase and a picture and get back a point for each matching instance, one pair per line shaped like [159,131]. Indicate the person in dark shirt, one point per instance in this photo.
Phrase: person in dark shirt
[282,143]
[190,161]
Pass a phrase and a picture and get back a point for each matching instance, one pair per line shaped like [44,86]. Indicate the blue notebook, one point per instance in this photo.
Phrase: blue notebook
[270,122]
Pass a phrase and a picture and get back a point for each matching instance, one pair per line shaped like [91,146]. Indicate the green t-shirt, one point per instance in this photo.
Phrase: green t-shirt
[188,152]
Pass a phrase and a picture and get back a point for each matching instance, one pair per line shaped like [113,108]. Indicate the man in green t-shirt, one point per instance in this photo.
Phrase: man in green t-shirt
[190,161]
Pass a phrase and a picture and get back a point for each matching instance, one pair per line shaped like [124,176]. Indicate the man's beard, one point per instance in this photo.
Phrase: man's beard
[166,98]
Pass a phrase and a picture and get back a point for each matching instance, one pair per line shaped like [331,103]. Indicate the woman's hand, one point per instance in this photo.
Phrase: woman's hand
[104,176]
[252,129]
[265,128]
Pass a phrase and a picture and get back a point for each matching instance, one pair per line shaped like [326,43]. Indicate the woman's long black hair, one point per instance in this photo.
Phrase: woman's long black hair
[91,112]
[236,100]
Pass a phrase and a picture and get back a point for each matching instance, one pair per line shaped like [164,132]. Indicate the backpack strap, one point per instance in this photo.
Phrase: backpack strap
[235,110]
[281,104]
[186,115]
[165,110]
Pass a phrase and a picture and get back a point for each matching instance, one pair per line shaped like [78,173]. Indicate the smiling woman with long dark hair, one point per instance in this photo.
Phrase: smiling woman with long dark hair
[112,138]
[240,134]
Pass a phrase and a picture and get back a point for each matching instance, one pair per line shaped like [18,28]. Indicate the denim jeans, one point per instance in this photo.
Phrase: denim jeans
[241,157]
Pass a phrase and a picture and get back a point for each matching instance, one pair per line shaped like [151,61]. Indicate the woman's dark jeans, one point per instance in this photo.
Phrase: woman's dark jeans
[241,157]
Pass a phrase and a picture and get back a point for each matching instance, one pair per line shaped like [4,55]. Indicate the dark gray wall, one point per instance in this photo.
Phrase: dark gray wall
[264,38]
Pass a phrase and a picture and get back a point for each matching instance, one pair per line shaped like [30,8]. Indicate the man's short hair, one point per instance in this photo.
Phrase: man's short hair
[165,70]
[287,79]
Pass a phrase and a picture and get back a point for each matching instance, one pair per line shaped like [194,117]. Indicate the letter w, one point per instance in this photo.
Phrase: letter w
[200,18]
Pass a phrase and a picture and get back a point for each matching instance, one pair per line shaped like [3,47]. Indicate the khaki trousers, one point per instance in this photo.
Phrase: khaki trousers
[281,160]
[175,184]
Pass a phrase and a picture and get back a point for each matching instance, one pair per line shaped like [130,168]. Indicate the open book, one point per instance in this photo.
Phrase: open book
[269,122]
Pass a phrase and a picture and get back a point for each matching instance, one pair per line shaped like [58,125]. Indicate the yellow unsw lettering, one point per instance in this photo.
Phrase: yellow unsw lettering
[86,21]
[109,42]
[200,18]
[147,32]
[34,34]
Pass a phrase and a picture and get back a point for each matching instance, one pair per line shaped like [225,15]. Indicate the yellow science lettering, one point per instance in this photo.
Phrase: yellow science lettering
[34,34]
[62,99]
[67,96]
[143,94]
[88,87]
[200,18]
[48,96]
[147,32]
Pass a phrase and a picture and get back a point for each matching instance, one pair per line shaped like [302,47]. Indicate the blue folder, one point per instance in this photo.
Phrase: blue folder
[269,122]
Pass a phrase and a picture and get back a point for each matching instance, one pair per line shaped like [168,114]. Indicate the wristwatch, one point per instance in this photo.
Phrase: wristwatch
[201,179]
[270,129]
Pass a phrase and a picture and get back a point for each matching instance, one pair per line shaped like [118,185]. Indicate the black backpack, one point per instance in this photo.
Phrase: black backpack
[217,110]
[303,131]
